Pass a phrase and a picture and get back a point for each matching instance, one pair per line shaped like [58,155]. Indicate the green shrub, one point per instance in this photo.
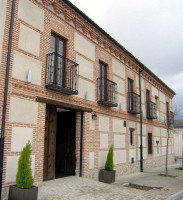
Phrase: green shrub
[24,177]
[109,165]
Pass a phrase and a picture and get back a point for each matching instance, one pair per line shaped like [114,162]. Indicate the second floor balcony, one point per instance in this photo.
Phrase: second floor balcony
[133,103]
[106,92]
[151,110]
[61,74]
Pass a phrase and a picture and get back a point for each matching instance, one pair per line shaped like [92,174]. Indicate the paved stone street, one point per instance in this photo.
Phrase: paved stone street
[76,188]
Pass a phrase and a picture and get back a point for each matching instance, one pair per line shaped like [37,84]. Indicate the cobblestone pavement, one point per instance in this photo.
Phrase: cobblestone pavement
[76,188]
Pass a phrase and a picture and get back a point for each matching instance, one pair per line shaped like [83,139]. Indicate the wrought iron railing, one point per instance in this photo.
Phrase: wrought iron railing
[151,110]
[170,118]
[107,92]
[133,103]
[61,74]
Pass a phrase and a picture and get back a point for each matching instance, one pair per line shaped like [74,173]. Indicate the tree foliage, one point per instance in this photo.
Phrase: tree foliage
[24,177]
[109,165]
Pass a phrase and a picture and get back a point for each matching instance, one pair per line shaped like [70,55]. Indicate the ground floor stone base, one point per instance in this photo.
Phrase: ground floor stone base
[135,167]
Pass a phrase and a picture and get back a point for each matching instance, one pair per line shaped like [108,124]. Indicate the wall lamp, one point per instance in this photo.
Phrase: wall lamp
[94,116]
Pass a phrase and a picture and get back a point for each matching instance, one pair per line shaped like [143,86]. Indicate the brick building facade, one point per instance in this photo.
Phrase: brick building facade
[48,98]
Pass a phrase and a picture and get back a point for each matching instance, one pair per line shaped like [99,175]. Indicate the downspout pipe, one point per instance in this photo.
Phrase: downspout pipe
[81,147]
[6,93]
[141,144]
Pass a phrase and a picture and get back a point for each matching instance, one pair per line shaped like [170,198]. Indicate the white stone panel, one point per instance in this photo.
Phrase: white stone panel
[84,87]
[178,141]
[162,97]
[156,131]
[143,111]
[103,141]
[143,129]
[31,14]
[3,8]
[142,97]
[163,141]
[163,118]
[163,151]
[84,47]
[156,139]
[91,160]
[121,100]
[118,68]
[120,84]
[85,67]
[118,126]
[163,132]
[154,92]
[102,158]
[156,152]
[119,156]
[119,141]
[22,64]
[12,165]
[143,141]
[163,107]
[132,125]
[92,123]
[137,82]
[20,137]
[132,154]
[103,123]
[144,153]
[23,111]
[29,40]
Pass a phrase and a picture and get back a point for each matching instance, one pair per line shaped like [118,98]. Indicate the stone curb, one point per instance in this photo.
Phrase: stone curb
[175,196]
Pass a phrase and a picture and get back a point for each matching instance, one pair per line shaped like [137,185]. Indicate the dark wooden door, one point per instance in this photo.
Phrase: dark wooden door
[66,143]
[50,143]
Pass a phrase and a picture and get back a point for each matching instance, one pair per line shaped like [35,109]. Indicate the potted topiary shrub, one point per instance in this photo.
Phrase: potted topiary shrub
[24,189]
[107,175]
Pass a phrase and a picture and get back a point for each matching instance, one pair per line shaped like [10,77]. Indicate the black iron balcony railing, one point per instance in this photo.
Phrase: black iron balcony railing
[133,103]
[107,92]
[170,118]
[151,110]
[61,74]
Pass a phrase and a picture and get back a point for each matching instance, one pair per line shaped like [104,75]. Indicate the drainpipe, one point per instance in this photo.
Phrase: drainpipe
[6,93]
[141,145]
[81,147]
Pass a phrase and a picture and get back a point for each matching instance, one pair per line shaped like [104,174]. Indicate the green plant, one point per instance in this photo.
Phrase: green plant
[109,165]
[24,177]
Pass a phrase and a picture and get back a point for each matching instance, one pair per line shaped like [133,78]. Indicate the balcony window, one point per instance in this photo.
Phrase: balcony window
[133,103]
[107,92]
[151,110]
[61,73]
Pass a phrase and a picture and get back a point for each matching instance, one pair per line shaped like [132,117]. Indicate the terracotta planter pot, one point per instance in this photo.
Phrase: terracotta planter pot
[107,176]
[16,193]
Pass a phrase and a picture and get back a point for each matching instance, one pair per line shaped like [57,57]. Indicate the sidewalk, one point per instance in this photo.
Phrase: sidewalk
[76,188]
